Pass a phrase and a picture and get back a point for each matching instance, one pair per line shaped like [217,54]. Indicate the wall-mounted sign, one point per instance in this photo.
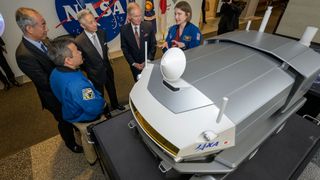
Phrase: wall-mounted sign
[110,15]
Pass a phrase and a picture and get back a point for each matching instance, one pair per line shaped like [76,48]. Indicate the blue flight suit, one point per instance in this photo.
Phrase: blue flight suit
[191,36]
[80,100]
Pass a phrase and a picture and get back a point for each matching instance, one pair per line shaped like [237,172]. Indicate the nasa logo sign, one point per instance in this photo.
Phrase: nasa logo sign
[109,14]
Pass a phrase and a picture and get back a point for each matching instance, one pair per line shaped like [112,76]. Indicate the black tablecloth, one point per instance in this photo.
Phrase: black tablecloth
[282,156]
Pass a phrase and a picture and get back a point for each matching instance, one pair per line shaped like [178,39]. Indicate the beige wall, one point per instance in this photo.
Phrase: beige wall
[298,15]
[250,9]
[211,14]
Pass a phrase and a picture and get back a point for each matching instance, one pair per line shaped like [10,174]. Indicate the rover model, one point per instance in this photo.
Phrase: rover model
[205,110]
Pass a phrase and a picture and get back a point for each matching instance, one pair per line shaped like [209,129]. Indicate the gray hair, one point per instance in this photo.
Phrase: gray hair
[58,50]
[131,7]
[81,14]
[24,18]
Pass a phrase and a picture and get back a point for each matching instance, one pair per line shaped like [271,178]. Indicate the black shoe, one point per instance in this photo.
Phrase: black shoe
[6,87]
[108,115]
[15,83]
[119,107]
[75,148]
[92,164]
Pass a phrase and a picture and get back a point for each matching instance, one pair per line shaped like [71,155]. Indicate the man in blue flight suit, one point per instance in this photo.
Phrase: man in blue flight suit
[82,104]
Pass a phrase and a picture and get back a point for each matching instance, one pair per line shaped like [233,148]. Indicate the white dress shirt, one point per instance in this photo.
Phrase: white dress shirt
[90,36]
[134,30]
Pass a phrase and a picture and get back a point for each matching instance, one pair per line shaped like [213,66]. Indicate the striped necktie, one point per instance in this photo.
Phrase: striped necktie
[96,45]
[44,48]
[136,35]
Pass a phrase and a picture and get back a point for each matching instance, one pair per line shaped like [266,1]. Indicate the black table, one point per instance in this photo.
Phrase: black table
[312,106]
[283,156]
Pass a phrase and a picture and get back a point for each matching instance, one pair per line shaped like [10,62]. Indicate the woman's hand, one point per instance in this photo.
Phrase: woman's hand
[178,44]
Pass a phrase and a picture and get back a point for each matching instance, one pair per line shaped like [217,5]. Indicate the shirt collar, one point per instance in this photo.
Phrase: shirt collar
[66,69]
[133,27]
[35,43]
[90,34]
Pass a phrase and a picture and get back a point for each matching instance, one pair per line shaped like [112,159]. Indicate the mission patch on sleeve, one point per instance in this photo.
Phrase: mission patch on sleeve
[87,94]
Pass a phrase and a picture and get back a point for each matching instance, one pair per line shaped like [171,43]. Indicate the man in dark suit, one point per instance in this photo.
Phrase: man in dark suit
[6,68]
[93,45]
[133,37]
[32,59]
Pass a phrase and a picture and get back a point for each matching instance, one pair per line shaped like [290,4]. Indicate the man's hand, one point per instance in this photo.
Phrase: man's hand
[139,66]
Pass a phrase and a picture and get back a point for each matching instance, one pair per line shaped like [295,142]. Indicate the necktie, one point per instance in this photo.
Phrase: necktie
[43,47]
[136,35]
[96,45]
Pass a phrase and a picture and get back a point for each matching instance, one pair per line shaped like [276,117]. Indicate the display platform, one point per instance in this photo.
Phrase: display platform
[311,107]
[283,156]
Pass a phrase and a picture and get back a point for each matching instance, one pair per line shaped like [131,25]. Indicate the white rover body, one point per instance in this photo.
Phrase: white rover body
[235,91]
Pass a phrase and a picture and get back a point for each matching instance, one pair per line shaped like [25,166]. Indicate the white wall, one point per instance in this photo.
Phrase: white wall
[12,35]
[298,15]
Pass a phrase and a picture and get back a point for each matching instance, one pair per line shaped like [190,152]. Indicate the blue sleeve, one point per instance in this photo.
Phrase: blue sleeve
[196,38]
[88,99]
[170,36]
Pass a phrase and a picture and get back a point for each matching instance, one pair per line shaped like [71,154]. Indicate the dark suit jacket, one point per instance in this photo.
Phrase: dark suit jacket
[129,46]
[94,65]
[37,66]
[2,44]
[229,18]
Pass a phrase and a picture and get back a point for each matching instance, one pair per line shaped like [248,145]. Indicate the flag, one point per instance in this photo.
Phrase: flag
[149,14]
[163,6]
[163,17]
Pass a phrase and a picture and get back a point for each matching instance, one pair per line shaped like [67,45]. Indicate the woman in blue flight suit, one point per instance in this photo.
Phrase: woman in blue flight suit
[184,34]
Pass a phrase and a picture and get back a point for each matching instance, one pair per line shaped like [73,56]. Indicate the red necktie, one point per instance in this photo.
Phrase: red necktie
[136,35]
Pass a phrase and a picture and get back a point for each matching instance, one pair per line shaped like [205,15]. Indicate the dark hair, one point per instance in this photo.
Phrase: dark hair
[184,6]
[58,50]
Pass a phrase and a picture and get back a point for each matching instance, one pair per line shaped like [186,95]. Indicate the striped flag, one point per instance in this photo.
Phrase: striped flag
[163,17]
[149,14]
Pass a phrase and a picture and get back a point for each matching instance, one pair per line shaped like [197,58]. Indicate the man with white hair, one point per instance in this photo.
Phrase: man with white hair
[133,35]
[93,45]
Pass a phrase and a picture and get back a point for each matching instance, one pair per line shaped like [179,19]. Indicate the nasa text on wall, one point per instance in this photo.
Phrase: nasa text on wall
[110,15]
